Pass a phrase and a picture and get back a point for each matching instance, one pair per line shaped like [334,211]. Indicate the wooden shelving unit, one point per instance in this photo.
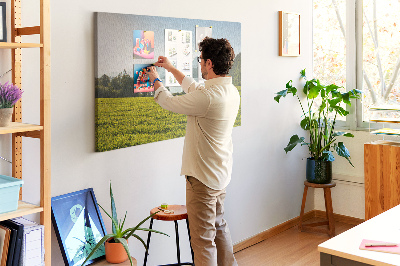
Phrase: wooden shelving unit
[42,131]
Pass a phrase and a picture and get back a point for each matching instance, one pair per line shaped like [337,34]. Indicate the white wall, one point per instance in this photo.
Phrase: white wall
[267,184]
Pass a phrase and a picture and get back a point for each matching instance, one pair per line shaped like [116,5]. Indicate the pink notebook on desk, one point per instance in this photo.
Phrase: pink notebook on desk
[392,249]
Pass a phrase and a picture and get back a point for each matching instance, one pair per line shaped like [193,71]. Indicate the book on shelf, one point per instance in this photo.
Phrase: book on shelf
[32,250]
[11,245]
[13,260]
[5,234]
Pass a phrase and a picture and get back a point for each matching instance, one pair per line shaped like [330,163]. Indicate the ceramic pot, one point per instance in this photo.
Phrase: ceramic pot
[115,252]
[318,172]
[5,116]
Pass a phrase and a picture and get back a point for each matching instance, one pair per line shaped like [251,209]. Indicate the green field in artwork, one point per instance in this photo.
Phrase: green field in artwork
[131,121]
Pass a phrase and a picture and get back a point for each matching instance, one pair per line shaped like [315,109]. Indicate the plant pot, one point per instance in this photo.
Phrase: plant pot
[5,116]
[319,172]
[115,252]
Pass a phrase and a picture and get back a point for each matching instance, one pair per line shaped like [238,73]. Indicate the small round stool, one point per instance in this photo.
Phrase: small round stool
[180,213]
[328,207]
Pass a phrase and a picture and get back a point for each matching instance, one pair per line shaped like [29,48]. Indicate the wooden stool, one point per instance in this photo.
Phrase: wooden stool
[180,213]
[328,207]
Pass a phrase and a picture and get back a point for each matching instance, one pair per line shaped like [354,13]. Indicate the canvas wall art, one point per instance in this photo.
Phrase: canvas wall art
[126,114]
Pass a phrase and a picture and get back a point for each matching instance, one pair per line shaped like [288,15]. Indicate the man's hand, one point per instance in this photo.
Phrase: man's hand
[152,72]
[165,63]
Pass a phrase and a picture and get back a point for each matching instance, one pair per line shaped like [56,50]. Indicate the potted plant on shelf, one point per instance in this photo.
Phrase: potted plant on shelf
[324,105]
[9,95]
[116,243]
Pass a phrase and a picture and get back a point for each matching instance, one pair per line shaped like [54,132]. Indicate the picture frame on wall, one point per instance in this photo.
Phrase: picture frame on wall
[289,34]
[78,226]
[3,24]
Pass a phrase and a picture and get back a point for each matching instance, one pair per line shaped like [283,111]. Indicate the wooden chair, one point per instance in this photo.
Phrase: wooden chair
[180,213]
[311,227]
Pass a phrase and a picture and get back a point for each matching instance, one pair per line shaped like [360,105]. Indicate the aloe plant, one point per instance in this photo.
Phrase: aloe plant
[320,124]
[119,234]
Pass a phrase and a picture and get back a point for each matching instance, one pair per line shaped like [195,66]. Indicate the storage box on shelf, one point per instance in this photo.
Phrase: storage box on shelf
[9,190]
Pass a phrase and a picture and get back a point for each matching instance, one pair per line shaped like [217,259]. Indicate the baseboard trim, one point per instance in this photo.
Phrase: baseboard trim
[271,232]
[340,218]
[289,224]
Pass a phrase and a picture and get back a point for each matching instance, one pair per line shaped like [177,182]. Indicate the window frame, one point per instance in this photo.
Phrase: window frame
[354,69]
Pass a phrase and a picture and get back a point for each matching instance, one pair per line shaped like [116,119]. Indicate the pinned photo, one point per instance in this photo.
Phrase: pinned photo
[141,81]
[143,44]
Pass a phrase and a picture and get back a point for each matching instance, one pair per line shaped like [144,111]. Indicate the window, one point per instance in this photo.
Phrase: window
[363,54]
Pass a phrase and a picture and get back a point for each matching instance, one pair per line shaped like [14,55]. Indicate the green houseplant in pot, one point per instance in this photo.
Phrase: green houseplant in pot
[9,95]
[116,243]
[324,105]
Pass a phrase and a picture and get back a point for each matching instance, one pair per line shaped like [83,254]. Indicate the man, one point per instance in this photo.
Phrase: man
[207,154]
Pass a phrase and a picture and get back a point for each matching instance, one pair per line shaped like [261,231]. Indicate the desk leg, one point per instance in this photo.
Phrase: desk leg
[325,259]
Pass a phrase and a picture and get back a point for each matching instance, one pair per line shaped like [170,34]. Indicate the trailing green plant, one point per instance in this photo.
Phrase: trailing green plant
[320,123]
[119,235]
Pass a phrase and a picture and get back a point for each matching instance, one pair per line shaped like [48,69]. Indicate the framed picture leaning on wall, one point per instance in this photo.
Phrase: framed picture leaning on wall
[78,226]
[3,24]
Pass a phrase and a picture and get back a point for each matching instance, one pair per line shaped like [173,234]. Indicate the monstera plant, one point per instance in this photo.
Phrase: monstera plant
[324,103]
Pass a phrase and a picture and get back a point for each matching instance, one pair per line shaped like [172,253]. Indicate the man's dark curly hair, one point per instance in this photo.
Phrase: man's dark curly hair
[220,52]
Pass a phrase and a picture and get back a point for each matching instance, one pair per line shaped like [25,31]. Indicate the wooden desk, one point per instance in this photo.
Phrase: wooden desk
[344,248]
[105,263]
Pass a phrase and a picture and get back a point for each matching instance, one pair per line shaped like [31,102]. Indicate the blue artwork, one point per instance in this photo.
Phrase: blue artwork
[78,226]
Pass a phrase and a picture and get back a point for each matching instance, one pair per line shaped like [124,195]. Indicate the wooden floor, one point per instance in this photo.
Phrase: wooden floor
[290,247]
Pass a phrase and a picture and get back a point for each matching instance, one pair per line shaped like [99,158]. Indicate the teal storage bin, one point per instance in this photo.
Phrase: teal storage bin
[9,193]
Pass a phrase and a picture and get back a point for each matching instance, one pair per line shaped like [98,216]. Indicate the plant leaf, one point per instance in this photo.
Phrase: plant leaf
[327,156]
[137,226]
[331,87]
[102,240]
[313,92]
[346,98]
[280,94]
[305,123]
[294,140]
[152,230]
[122,224]
[349,135]
[343,151]
[126,247]
[115,223]
[113,211]
[338,133]
[140,239]
[303,73]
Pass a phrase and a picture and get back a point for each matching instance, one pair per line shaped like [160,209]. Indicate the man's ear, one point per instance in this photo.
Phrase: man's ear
[209,63]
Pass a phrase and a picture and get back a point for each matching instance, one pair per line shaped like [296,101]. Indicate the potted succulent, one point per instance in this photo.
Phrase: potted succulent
[324,105]
[116,243]
[9,95]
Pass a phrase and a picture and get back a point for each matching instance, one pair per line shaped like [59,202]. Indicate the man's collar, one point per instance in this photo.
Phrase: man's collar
[219,80]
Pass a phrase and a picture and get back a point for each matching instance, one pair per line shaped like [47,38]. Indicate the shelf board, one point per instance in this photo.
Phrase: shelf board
[10,45]
[385,120]
[24,208]
[16,127]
